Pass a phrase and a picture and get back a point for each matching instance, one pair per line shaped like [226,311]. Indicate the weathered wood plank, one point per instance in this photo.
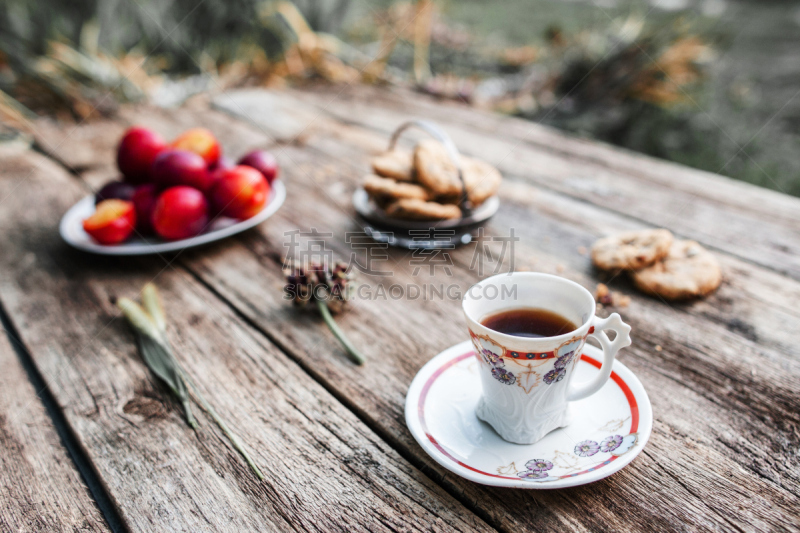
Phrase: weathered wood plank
[325,470]
[723,386]
[408,340]
[759,304]
[766,203]
[756,224]
[287,121]
[77,145]
[42,489]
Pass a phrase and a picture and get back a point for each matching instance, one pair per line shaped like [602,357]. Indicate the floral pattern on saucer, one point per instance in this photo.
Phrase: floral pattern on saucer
[586,448]
[440,396]
[539,469]
[536,469]
[610,444]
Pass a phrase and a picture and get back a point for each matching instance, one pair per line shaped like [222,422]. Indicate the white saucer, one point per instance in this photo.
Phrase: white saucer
[609,429]
[71,229]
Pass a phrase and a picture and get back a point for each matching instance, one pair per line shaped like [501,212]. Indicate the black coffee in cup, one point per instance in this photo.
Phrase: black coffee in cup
[529,322]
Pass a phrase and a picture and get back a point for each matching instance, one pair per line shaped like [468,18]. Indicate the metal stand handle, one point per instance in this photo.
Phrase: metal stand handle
[437,133]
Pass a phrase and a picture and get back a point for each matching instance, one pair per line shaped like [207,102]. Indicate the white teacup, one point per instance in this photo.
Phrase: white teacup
[527,382]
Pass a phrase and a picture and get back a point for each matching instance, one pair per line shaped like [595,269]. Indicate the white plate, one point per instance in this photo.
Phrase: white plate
[611,426]
[71,229]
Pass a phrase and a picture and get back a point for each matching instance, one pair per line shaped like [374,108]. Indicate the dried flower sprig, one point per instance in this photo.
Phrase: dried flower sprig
[149,323]
[330,288]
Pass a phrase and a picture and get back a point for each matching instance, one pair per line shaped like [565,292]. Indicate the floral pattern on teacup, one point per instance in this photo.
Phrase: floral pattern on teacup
[568,348]
[564,356]
[528,379]
[503,376]
[487,350]
[491,353]
[554,376]
[495,356]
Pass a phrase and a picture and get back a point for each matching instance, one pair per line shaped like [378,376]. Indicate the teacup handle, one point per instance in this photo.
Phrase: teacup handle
[579,391]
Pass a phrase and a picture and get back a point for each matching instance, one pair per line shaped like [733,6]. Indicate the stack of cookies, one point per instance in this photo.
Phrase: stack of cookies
[659,264]
[424,184]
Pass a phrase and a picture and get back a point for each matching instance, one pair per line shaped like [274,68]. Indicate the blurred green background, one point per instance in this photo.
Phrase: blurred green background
[709,83]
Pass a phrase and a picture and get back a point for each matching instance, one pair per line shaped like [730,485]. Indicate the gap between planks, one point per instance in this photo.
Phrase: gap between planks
[418,462]
[70,444]
[282,348]
[304,372]
[422,463]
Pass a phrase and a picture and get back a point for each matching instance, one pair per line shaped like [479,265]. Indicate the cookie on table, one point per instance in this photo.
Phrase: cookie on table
[414,209]
[481,178]
[632,250]
[388,189]
[688,271]
[435,170]
[395,164]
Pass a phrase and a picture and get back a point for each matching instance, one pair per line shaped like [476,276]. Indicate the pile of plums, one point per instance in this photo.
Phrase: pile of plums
[173,190]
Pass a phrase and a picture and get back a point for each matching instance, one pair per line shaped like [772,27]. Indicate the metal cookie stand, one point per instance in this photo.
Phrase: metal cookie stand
[424,234]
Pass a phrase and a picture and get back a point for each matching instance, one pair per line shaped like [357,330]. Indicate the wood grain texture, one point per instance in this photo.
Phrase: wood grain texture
[412,332]
[723,389]
[755,224]
[722,373]
[42,489]
[769,204]
[325,470]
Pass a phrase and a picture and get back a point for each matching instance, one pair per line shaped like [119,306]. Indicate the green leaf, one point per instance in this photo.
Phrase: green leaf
[138,318]
[150,327]
[152,304]
[162,363]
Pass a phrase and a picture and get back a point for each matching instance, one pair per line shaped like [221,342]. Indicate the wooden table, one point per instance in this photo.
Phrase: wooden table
[78,406]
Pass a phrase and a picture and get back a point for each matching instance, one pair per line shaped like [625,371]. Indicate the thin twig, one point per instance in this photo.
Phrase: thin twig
[352,351]
[235,442]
